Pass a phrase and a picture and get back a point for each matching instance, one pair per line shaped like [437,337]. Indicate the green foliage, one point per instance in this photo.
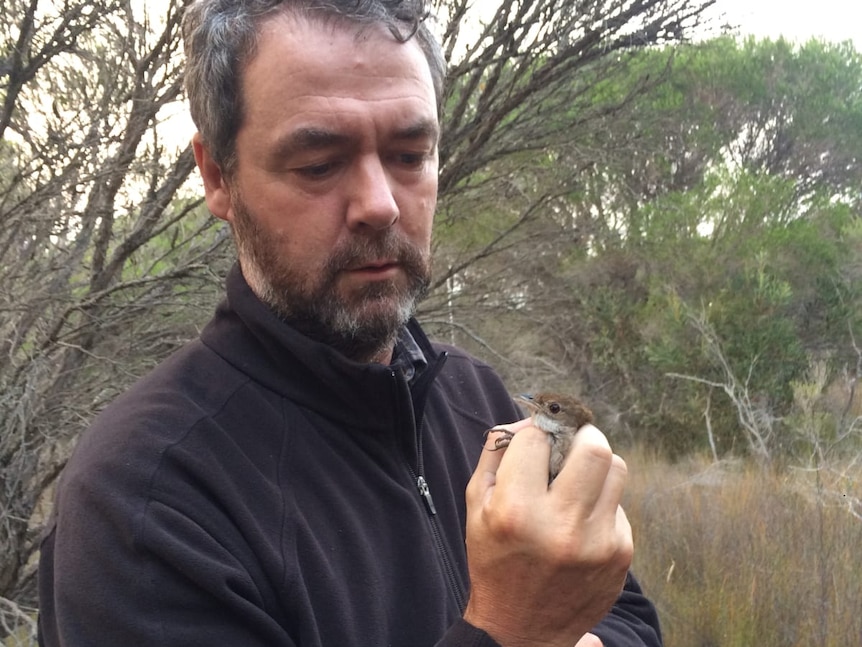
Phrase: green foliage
[708,229]
[755,279]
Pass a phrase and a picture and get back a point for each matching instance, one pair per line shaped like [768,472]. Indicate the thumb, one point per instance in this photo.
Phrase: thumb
[485,475]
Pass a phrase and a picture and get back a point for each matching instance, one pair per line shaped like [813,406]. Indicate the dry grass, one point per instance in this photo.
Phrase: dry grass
[736,555]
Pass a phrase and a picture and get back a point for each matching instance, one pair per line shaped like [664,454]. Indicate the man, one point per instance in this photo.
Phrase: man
[297,475]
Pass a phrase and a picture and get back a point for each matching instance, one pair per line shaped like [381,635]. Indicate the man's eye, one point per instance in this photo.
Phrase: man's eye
[315,171]
[412,159]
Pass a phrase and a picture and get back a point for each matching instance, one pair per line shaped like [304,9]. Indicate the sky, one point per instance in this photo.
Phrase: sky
[799,20]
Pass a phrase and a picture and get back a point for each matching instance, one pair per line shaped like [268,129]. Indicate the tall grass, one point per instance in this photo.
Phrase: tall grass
[737,555]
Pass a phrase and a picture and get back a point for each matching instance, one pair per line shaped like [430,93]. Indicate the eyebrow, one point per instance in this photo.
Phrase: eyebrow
[312,139]
[308,139]
[424,128]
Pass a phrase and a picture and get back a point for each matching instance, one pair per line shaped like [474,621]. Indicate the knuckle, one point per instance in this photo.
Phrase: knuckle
[599,551]
[619,466]
[563,553]
[627,552]
[626,548]
[599,452]
[508,521]
[595,455]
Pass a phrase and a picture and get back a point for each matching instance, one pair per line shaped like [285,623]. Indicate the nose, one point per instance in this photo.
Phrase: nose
[371,201]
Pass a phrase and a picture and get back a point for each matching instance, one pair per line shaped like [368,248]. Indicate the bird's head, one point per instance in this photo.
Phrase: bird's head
[554,413]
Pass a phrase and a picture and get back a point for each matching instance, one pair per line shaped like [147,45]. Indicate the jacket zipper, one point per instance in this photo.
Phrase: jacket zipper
[424,491]
[448,568]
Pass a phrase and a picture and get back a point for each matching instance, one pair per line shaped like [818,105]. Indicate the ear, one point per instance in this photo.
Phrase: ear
[216,190]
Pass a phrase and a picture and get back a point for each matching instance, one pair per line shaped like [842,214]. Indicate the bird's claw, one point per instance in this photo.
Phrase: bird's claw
[501,442]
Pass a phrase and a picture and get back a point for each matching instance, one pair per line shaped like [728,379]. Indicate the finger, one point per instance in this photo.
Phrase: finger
[615,485]
[582,479]
[625,538]
[485,475]
[512,426]
[621,543]
[524,471]
[590,435]
[498,436]
[590,640]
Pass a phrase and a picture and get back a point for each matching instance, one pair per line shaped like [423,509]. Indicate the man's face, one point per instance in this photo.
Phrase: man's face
[335,186]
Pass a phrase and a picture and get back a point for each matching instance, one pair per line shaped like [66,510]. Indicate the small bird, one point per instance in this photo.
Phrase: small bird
[559,416]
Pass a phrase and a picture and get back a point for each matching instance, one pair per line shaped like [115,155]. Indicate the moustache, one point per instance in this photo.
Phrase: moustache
[389,246]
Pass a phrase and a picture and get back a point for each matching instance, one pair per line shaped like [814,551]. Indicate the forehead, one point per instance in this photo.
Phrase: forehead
[312,65]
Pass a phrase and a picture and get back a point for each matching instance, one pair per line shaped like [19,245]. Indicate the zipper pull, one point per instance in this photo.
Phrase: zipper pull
[425,493]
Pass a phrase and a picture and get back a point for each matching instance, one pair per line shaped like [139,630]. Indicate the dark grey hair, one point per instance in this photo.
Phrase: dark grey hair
[221,38]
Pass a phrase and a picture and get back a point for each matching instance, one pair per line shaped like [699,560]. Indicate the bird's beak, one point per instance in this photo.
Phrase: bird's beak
[528,401]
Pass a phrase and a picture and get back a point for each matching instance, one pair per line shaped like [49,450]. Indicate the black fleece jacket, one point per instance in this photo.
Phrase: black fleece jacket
[258,489]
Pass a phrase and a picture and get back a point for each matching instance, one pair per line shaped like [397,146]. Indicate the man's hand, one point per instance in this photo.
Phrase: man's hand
[546,562]
[590,640]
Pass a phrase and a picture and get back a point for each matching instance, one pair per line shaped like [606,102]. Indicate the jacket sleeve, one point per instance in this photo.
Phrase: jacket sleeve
[632,622]
[181,589]
[463,634]
[125,563]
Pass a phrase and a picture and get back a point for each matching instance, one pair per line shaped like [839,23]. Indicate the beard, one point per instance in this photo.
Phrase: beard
[361,324]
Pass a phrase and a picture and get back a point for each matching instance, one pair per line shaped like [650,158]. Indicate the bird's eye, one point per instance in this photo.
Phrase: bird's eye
[555,407]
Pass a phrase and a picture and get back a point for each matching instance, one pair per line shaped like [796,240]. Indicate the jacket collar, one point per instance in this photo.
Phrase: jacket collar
[248,335]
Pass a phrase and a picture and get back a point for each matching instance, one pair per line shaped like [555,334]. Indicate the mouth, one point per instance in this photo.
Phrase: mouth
[527,400]
[382,264]
[376,269]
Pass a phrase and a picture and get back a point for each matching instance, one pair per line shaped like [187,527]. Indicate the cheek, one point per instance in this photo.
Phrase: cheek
[308,248]
[302,228]
[419,222]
